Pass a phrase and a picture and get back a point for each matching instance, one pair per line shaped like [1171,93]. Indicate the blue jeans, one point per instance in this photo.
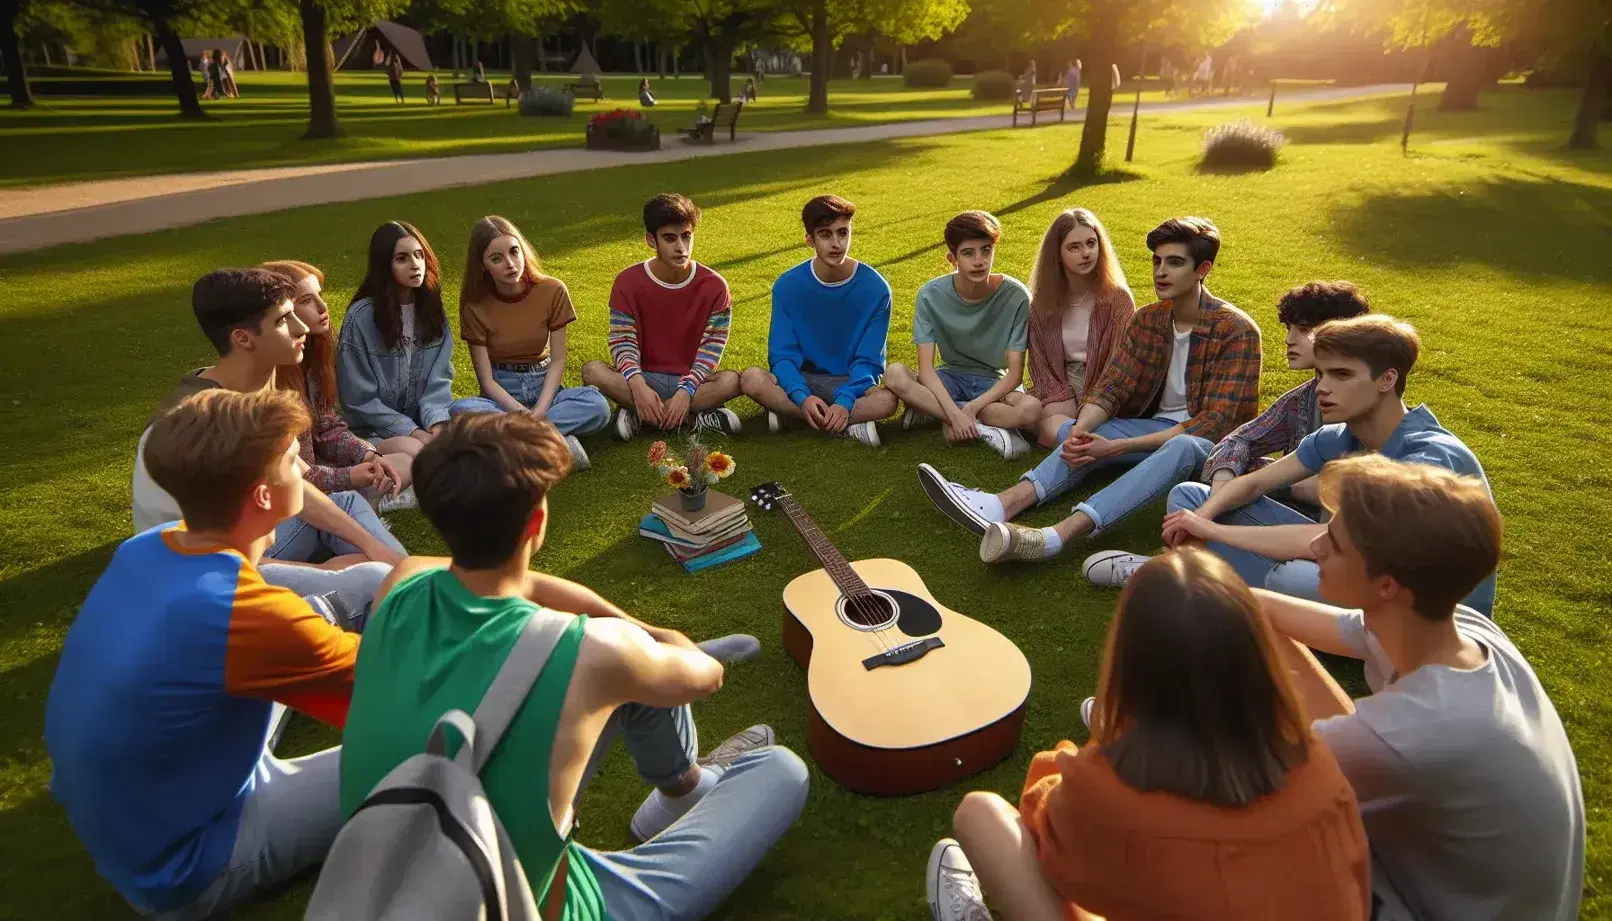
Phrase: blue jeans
[1151,474]
[575,410]
[300,542]
[1299,578]
[687,870]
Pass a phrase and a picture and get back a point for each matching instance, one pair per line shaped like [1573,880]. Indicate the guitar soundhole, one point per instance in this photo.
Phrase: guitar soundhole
[868,610]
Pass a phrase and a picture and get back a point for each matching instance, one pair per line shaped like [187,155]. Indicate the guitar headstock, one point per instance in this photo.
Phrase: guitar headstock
[767,495]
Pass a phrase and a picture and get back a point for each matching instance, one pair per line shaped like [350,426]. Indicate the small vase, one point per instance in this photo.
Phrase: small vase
[693,499]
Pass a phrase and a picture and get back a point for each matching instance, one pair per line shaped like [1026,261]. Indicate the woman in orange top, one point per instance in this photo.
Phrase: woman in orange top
[1202,794]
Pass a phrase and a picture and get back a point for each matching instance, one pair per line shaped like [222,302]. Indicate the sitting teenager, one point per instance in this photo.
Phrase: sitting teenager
[445,626]
[337,460]
[1467,782]
[171,673]
[394,363]
[645,97]
[1362,366]
[669,319]
[1215,806]
[1185,374]
[1079,308]
[978,321]
[249,317]
[514,319]
[830,321]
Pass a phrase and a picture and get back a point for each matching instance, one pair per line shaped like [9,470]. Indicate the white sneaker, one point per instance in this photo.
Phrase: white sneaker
[1086,706]
[774,424]
[912,418]
[579,457]
[1112,568]
[722,420]
[1006,442]
[953,889]
[402,500]
[626,424]
[865,432]
[966,507]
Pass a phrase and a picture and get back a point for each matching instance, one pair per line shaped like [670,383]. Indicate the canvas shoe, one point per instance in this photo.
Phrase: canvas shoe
[626,424]
[774,424]
[1086,706]
[658,811]
[722,419]
[1111,568]
[953,889]
[912,419]
[962,505]
[865,432]
[579,457]
[404,499]
[1006,442]
[757,736]
[1007,541]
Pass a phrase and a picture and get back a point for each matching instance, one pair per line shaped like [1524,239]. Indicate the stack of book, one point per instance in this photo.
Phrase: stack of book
[719,533]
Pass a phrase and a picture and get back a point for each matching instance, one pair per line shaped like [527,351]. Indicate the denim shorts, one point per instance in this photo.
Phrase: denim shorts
[963,386]
[664,384]
[822,386]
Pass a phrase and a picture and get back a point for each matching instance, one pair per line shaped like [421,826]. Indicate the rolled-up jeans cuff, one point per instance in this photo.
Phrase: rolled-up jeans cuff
[1092,513]
[1040,491]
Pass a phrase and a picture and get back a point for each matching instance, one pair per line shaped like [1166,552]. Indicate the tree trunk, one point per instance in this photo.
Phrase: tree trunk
[676,72]
[822,59]
[1461,91]
[16,75]
[722,67]
[869,50]
[1094,133]
[901,61]
[321,72]
[475,54]
[1591,102]
[520,48]
[178,68]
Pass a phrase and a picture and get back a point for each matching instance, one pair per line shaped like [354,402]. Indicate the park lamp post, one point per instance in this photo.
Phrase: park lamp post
[1136,104]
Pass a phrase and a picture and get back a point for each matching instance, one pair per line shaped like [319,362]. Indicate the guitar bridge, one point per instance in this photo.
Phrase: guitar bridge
[906,652]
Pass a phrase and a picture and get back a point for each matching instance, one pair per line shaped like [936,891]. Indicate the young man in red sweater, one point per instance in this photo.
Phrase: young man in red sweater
[669,320]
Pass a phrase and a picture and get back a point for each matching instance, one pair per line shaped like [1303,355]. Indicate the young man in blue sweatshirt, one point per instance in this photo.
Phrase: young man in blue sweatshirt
[830,320]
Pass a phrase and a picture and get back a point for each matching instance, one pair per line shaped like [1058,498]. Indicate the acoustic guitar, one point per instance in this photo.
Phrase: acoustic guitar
[905,695]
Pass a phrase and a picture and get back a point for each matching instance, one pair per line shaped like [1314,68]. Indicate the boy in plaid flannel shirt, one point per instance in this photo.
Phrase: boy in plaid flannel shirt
[1185,374]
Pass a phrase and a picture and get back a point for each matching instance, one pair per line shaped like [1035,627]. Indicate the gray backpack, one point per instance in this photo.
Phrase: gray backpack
[425,845]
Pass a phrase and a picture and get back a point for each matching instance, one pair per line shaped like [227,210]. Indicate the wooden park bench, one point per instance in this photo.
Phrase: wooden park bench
[725,115]
[472,90]
[1043,100]
[594,91]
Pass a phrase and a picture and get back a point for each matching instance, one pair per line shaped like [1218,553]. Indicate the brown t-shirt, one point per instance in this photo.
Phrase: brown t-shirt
[516,330]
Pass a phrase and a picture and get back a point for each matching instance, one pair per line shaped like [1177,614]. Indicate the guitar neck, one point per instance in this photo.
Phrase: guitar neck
[827,554]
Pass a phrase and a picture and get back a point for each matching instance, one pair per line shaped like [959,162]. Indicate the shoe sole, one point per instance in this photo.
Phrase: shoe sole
[774,424]
[1098,559]
[934,487]
[579,457]
[770,738]
[932,875]
[623,432]
[993,546]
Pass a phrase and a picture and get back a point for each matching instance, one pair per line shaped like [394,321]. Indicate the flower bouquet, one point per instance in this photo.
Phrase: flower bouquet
[698,469]
[622,129]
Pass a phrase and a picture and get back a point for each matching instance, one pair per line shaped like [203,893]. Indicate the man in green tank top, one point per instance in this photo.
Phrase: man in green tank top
[441,629]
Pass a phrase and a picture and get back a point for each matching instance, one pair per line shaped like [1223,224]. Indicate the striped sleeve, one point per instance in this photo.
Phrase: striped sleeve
[623,341]
[711,344]
[280,649]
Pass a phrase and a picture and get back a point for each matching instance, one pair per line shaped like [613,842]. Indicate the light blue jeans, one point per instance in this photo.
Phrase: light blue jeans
[575,410]
[300,542]
[1176,461]
[1299,578]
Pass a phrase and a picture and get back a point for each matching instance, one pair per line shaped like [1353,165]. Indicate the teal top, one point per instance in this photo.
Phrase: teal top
[973,338]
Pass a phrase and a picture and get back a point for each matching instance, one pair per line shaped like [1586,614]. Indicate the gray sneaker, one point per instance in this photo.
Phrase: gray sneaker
[579,457]
[1112,568]
[951,886]
[626,424]
[1006,442]
[912,419]
[402,500]
[758,736]
[864,432]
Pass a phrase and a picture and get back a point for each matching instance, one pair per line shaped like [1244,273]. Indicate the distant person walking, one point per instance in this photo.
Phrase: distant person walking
[645,97]
[479,74]
[1168,77]
[433,93]
[1071,79]
[394,76]
[1027,82]
[226,74]
[206,68]
[749,94]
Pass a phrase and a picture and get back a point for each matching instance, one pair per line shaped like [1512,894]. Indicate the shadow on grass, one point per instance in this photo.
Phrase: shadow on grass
[48,596]
[1066,184]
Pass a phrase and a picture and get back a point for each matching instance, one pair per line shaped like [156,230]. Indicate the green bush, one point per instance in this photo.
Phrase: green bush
[933,73]
[541,100]
[1241,144]
[994,85]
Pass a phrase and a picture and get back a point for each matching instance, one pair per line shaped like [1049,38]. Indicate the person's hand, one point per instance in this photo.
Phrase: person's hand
[422,436]
[392,480]
[816,412]
[373,473]
[1082,448]
[1186,525]
[670,637]
[838,417]
[540,410]
[645,401]
[675,410]
[962,425]
[381,553]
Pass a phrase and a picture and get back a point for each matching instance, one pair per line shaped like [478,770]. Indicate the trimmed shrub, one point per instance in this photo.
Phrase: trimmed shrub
[541,100]
[931,73]
[1241,144]
[995,85]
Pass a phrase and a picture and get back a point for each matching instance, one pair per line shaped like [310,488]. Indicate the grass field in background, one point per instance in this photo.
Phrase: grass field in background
[1488,237]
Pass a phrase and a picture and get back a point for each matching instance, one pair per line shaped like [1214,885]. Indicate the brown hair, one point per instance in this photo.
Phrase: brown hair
[479,481]
[1200,235]
[225,300]
[1434,531]
[1049,286]
[1192,699]
[319,353]
[669,208]
[210,450]
[431,323]
[1379,340]
[972,225]
[478,284]
[824,210]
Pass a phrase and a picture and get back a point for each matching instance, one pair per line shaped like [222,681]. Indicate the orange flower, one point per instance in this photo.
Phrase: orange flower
[678,478]
[720,464]
[657,453]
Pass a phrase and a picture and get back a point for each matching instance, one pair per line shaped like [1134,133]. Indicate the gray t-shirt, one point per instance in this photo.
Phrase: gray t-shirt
[1468,788]
[973,338]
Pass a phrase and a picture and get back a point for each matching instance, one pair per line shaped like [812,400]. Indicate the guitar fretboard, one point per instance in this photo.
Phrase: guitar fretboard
[833,561]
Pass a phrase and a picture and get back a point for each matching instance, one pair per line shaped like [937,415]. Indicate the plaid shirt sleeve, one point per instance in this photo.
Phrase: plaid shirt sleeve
[1136,351]
[1278,428]
[1232,394]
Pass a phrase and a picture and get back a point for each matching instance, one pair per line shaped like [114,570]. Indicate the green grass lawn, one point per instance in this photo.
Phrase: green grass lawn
[96,138]
[1488,237]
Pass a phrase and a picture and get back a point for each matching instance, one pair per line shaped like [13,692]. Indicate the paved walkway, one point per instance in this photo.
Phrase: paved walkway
[33,219]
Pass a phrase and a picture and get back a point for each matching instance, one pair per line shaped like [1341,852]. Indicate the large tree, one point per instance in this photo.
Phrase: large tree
[1452,31]
[16,75]
[320,20]
[1577,33]
[720,27]
[824,23]
[164,18]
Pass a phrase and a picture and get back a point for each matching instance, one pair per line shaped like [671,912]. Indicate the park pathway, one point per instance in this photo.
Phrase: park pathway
[32,219]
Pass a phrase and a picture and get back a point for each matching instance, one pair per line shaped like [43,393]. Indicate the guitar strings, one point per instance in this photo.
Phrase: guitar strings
[867,607]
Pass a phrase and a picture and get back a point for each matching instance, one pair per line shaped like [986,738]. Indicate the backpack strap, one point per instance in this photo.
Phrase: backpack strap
[513,682]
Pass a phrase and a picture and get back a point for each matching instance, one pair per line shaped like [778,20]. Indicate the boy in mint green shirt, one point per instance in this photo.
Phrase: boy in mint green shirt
[442,628]
[979,323]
